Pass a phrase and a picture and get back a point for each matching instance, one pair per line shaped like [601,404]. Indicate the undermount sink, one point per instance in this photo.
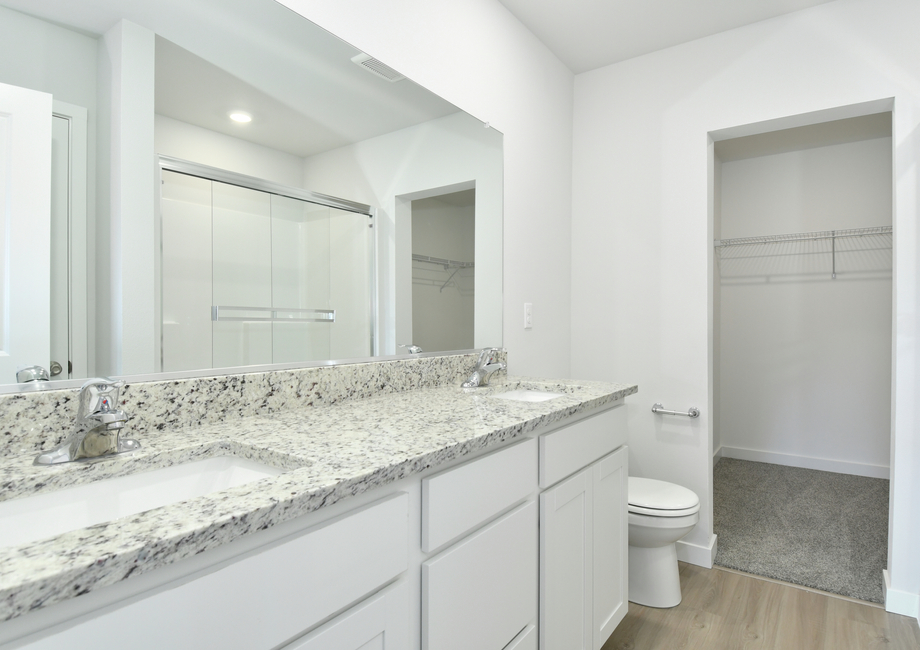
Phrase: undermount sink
[527,395]
[32,518]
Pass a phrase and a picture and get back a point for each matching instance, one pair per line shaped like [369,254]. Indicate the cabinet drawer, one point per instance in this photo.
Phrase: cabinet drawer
[526,640]
[460,499]
[565,451]
[381,622]
[263,599]
[481,592]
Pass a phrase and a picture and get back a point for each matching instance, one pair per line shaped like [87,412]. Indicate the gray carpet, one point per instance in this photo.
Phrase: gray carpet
[818,529]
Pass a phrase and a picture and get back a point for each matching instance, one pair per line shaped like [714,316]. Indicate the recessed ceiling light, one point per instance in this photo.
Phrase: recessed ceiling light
[241,117]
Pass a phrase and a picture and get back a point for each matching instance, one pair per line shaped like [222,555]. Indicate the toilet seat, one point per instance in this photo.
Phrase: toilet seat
[661,499]
[653,512]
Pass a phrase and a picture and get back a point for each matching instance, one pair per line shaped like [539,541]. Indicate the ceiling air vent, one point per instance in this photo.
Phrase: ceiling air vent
[376,67]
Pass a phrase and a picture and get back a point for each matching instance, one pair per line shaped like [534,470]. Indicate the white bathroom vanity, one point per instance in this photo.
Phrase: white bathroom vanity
[431,518]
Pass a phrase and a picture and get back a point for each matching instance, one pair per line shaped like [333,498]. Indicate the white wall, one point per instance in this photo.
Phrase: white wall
[478,56]
[805,358]
[29,48]
[642,225]
[189,142]
[125,262]
[389,172]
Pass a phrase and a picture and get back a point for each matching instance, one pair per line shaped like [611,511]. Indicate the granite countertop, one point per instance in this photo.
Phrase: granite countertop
[328,452]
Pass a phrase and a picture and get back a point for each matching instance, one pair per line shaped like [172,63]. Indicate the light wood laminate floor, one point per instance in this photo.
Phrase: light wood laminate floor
[725,610]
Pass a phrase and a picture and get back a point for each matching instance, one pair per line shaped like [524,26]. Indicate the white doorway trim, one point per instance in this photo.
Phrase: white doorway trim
[76,116]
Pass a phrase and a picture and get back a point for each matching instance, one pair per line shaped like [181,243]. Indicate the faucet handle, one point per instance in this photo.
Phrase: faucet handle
[486,356]
[484,368]
[100,394]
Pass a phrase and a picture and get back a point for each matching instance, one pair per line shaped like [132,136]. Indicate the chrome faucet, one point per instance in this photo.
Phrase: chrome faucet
[32,373]
[484,368]
[97,428]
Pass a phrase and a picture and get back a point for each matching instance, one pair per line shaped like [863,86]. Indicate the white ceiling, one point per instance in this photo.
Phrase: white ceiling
[589,34]
[296,79]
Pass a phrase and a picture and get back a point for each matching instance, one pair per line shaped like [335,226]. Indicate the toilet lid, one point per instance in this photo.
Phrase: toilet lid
[648,494]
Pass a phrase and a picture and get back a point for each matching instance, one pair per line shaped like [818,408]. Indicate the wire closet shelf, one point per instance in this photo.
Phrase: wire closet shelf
[804,236]
[820,235]
[447,264]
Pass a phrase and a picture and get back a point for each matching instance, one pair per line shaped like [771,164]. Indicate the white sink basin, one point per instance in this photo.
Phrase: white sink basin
[45,515]
[527,395]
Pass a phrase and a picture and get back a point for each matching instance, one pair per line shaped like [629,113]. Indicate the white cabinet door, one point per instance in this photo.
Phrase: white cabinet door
[379,623]
[481,592]
[25,230]
[583,561]
[565,565]
[609,486]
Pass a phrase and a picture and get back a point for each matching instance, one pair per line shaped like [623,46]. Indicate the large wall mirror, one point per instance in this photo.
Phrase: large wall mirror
[350,214]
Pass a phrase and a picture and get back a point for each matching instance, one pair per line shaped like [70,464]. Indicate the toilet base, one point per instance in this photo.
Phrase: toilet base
[653,576]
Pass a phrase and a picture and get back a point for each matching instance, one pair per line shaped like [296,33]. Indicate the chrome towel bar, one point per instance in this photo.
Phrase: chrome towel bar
[692,413]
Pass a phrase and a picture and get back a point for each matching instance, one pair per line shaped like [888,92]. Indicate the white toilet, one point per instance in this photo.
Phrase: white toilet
[660,513]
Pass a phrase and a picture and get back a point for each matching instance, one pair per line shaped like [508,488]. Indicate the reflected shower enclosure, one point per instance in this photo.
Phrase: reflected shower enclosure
[258,276]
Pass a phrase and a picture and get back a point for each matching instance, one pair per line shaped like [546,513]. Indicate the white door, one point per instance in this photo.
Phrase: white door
[25,226]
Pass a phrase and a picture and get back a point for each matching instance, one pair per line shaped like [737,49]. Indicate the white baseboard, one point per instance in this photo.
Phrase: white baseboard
[702,556]
[717,455]
[899,602]
[839,466]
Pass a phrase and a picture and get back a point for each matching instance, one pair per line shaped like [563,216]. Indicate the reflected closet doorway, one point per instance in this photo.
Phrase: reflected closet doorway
[443,270]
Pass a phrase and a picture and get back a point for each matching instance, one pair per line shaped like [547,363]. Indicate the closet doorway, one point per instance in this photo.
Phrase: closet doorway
[802,328]
[443,271]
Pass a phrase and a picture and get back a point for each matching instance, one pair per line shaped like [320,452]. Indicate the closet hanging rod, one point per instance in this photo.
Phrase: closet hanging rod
[804,236]
[447,264]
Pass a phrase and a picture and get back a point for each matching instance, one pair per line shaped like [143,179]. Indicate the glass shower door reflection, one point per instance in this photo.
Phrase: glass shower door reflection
[242,271]
[253,278]
[300,279]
